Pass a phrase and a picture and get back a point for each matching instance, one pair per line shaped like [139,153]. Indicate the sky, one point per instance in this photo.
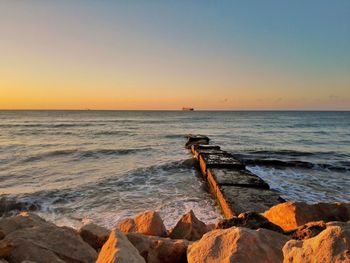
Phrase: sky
[210,55]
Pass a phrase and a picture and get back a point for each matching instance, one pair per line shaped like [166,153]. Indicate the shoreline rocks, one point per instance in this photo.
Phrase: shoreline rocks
[290,215]
[118,249]
[148,223]
[189,227]
[281,234]
[238,245]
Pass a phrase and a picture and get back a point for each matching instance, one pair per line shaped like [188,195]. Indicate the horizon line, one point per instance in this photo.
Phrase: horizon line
[202,110]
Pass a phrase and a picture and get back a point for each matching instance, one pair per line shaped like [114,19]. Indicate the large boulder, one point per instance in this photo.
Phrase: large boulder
[330,246]
[250,220]
[94,235]
[189,227]
[290,215]
[307,231]
[148,223]
[29,237]
[238,245]
[118,249]
[158,249]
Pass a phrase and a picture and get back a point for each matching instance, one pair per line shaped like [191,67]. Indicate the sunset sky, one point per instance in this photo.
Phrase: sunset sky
[239,55]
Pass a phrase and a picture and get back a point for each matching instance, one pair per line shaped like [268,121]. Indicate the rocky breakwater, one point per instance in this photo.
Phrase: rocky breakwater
[235,188]
[281,234]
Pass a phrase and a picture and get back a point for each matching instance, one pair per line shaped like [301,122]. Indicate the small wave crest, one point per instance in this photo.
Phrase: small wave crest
[81,154]
[296,164]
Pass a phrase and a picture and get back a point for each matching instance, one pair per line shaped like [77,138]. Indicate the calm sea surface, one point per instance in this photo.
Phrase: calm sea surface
[74,167]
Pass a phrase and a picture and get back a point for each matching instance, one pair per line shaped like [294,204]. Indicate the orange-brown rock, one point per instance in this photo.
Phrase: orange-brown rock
[290,215]
[330,246]
[307,231]
[148,223]
[118,249]
[158,249]
[250,220]
[238,245]
[29,237]
[94,235]
[189,227]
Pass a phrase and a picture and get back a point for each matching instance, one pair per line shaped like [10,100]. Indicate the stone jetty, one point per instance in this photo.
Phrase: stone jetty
[234,187]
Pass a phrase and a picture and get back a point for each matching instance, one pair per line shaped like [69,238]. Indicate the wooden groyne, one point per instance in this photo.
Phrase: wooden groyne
[236,189]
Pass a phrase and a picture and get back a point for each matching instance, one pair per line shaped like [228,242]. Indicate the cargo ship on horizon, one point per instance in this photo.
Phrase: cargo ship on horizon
[187,109]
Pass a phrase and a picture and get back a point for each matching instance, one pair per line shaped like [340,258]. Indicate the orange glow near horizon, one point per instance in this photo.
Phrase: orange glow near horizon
[95,56]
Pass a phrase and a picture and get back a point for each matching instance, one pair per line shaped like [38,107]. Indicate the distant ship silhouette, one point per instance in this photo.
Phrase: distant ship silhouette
[187,109]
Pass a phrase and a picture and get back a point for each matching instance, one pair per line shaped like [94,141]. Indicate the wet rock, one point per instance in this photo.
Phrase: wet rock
[148,223]
[118,249]
[307,231]
[251,220]
[189,227]
[236,178]
[204,147]
[235,199]
[159,250]
[29,237]
[10,206]
[196,140]
[330,246]
[238,245]
[291,215]
[220,160]
[94,235]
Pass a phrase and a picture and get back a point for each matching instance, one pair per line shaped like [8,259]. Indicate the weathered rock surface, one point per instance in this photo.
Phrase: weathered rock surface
[118,249]
[235,199]
[189,227]
[159,250]
[148,223]
[29,237]
[219,160]
[196,139]
[307,231]
[236,178]
[198,148]
[290,215]
[94,235]
[238,245]
[330,246]
[251,220]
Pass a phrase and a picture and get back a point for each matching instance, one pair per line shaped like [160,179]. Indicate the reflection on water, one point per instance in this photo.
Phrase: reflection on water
[102,166]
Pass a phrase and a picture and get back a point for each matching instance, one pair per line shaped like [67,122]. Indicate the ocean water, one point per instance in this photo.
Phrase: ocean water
[74,167]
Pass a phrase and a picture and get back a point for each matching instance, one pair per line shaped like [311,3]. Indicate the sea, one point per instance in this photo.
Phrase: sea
[76,167]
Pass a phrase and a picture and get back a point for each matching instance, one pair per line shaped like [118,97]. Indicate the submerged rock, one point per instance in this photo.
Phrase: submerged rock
[238,245]
[10,206]
[29,237]
[148,223]
[158,249]
[250,220]
[118,249]
[291,215]
[94,235]
[189,227]
[330,246]
[307,231]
